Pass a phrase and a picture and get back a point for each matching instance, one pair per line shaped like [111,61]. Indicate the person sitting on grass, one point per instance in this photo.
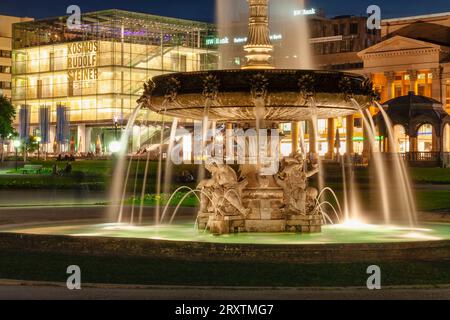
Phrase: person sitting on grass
[68,168]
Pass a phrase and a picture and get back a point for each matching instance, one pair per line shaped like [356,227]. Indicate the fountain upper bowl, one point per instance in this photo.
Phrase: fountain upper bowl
[286,94]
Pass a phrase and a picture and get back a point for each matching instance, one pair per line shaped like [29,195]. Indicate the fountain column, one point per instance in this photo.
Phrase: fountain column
[259,46]
[229,141]
[295,135]
[312,138]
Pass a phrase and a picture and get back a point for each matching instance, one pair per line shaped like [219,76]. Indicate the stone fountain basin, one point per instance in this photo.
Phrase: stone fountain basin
[287,94]
[81,230]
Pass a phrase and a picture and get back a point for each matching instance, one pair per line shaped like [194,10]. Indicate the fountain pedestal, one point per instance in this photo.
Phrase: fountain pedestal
[267,211]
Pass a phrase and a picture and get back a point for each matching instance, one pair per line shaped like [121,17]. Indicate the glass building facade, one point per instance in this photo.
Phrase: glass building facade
[97,69]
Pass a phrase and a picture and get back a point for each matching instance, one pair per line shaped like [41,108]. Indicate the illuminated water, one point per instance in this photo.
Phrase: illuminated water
[336,234]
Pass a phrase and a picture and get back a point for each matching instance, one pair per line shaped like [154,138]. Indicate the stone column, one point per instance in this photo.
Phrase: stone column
[412,80]
[436,86]
[81,138]
[387,145]
[390,77]
[436,141]
[295,136]
[366,144]
[350,132]
[331,135]
[413,147]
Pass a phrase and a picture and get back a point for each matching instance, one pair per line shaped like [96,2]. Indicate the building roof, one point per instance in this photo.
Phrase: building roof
[397,43]
[405,108]
[171,24]
[424,31]
[419,17]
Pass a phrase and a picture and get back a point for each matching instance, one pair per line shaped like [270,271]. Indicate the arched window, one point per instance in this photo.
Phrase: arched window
[425,138]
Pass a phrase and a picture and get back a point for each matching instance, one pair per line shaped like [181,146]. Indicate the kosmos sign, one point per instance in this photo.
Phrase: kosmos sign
[82,61]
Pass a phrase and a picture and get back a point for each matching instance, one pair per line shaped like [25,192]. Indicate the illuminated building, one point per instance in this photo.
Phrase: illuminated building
[94,73]
[414,56]
[6,23]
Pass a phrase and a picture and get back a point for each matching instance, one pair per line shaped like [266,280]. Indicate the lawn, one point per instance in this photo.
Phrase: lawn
[433,200]
[96,175]
[147,271]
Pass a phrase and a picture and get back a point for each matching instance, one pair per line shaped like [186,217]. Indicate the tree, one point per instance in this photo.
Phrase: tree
[7,115]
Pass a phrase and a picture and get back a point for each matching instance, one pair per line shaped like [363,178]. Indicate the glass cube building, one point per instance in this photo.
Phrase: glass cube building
[95,72]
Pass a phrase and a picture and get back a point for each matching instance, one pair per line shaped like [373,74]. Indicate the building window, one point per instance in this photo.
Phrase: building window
[39,89]
[5,53]
[425,138]
[5,69]
[5,85]
[353,28]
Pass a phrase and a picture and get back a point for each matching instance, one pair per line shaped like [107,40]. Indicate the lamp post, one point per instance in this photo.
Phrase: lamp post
[116,121]
[16,149]
[38,140]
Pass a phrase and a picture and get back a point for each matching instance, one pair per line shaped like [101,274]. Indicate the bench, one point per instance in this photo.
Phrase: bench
[29,168]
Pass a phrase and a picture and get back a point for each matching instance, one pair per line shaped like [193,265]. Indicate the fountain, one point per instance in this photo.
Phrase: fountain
[257,199]
[265,209]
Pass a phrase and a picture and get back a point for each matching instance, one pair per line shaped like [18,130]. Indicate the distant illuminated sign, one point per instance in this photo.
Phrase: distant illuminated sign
[237,40]
[326,39]
[272,37]
[305,12]
[214,41]
[82,62]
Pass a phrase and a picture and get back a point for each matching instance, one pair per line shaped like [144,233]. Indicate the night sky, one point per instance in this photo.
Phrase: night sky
[204,9]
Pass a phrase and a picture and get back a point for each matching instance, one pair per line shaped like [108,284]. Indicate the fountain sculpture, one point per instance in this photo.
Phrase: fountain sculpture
[260,97]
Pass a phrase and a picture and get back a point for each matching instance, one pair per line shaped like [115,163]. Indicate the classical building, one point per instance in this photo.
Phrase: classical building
[412,55]
[76,87]
[413,60]
[6,23]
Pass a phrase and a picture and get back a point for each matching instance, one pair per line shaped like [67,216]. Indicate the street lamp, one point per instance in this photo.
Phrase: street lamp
[38,140]
[115,146]
[116,122]
[16,145]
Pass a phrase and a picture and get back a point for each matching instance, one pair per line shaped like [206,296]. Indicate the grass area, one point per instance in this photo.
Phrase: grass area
[96,175]
[91,174]
[180,197]
[146,271]
[433,200]
[102,171]
[431,175]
